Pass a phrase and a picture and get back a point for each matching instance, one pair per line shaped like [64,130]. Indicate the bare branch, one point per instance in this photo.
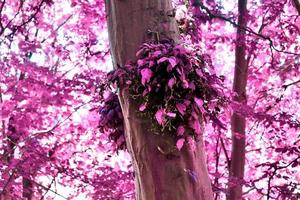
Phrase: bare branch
[59,26]
[1,9]
[290,84]
[49,189]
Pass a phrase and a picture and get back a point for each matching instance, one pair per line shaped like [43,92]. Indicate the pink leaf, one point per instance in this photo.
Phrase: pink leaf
[163,59]
[156,53]
[173,115]
[192,86]
[128,82]
[141,62]
[142,107]
[199,103]
[180,143]
[180,130]
[146,75]
[181,108]
[171,83]
[199,72]
[185,84]
[160,116]
[172,60]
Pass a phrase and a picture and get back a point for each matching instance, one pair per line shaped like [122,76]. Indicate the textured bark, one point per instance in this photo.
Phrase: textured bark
[238,122]
[161,172]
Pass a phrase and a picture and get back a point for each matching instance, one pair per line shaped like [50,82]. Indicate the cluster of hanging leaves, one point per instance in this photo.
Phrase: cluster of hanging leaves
[111,119]
[174,85]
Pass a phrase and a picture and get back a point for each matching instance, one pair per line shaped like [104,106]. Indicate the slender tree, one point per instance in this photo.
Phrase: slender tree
[238,121]
[158,176]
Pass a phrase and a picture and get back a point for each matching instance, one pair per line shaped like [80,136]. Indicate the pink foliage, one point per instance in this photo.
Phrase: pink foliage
[61,119]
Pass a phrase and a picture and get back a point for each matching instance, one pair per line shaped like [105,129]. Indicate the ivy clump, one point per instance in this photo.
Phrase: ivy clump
[111,120]
[175,85]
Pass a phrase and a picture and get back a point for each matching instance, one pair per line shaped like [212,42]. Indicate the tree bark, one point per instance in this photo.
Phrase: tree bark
[161,173]
[297,5]
[238,122]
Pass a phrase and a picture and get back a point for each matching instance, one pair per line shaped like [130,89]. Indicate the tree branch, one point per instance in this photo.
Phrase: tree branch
[1,9]
[288,85]
[246,29]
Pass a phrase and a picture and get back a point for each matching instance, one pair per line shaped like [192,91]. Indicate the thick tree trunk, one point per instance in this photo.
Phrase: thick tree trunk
[238,122]
[161,172]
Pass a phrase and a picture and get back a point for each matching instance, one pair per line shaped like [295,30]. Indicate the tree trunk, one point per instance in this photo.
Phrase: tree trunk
[27,188]
[160,173]
[238,122]
[297,5]
[9,175]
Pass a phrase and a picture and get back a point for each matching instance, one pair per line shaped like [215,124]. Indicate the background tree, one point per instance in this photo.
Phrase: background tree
[238,121]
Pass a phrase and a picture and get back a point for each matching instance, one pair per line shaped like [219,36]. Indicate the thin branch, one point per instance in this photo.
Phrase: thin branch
[1,9]
[225,152]
[246,29]
[60,122]
[7,183]
[38,9]
[47,188]
[59,26]
[49,131]
[34,14]
[288,85]
[10,21]
[62,24]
